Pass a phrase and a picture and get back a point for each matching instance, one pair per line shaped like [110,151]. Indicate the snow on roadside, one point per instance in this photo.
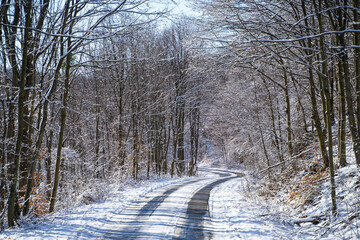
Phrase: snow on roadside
[236,208]
[86,221]
[236,213]
[347,223]
[241,217]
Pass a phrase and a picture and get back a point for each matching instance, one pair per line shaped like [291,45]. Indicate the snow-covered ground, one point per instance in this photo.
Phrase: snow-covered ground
[236,213]
[232,213]
[244,218]
[346,225]
[236,207]
[86,221]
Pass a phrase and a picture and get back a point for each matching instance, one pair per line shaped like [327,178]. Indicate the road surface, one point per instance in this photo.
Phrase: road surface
[179,211]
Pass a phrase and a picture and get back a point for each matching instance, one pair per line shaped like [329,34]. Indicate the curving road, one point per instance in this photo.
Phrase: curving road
[179,211]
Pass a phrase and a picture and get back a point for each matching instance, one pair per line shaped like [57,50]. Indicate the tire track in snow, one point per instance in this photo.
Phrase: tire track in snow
[153,204]
[192,227]
[134,226]
[141,217]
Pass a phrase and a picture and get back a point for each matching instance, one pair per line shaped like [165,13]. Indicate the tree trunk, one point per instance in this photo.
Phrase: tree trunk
[356,40]
[136,140]
[275,137]
[34,159]
[342,122]
[315,113]
[261,131]
[174,143]
[342,110]
[28,131]
[180,139]
[194,139]
[288,114]
[298,96]
[97,130]
[15,171]
[62,128]
[3,162]
[326,90]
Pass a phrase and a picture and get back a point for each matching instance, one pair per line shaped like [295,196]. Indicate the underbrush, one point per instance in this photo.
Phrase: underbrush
[302,191]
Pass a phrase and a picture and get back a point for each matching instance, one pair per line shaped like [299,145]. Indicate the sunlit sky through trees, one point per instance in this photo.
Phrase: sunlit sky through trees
[176,9]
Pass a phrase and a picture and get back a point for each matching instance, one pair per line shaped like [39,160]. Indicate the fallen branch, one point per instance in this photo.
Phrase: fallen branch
[314,220]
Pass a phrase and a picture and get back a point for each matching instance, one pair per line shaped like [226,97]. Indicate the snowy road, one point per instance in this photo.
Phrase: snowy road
[179,211]
[217,205]
[211,206]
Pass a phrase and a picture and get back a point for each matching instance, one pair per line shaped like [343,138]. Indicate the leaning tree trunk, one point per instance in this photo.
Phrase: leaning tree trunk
[315,113]
[275,137]
[62,129]
[261,131]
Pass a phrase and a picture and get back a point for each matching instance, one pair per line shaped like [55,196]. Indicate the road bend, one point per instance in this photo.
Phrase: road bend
[179,211]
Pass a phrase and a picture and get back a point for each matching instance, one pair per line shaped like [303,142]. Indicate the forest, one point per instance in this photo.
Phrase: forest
[120,89]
